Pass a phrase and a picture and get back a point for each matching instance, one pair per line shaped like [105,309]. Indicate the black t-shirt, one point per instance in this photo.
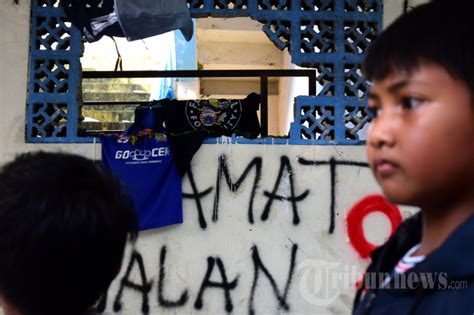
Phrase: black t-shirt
[189,122]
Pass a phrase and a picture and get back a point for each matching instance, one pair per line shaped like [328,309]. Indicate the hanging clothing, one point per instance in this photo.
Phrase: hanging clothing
[100,24]
[145,18]
[146,167]
[148,174]
[133,19]
[189,122]
[93,18]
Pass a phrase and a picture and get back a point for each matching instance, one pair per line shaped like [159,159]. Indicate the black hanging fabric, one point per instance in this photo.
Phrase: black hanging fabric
[189,122]
[84,14]
[133,19]
[144,18]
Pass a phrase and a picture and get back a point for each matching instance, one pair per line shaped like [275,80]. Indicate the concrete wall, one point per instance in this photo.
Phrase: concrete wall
[14,41]
[312,270]
[303,251]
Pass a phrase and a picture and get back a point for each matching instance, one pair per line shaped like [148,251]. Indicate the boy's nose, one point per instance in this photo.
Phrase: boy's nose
[381,131]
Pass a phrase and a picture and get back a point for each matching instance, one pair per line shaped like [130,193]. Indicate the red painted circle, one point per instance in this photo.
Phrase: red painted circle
[357,214]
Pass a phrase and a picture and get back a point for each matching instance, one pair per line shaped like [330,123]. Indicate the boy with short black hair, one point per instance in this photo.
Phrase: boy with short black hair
[63,228]
[421,151]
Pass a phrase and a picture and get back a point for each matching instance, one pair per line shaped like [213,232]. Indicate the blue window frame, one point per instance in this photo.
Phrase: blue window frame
[328,35]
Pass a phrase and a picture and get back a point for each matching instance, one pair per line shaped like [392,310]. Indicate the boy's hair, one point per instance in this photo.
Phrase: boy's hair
[63,227]
[439,32]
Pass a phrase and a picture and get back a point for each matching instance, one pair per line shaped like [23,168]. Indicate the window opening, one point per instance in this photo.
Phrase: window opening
[329,36]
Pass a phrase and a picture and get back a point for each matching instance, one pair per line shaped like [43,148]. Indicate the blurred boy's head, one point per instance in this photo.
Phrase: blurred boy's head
[63,228]
[421,140]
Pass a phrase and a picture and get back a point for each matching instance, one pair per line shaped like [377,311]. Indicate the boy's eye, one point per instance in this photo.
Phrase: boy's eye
[411,102]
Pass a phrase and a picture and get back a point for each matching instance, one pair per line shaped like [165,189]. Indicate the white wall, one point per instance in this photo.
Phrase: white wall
[393,8]
[233,239]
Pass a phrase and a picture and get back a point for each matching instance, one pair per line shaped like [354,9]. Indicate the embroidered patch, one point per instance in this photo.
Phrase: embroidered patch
[204,114]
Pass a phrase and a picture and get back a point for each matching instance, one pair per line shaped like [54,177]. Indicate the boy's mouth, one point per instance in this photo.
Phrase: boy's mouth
[384,167]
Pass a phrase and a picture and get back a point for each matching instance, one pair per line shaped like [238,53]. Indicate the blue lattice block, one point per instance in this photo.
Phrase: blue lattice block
[365,6]
[195,5]
[54,75]
[219,8]
[274,5]
[278,31]
[45,3]
[317,5]
[356,119]
[230,5]
[313,121]
[325,79]
[317,37]
[354,83]
[358,35]
[51,76]
[52,33]
[48,120]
